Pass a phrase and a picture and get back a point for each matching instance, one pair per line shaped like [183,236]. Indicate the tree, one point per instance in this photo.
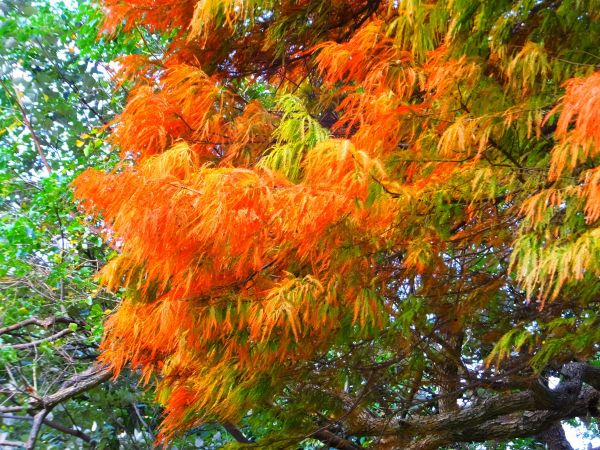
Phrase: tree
[54,89]
[365,223]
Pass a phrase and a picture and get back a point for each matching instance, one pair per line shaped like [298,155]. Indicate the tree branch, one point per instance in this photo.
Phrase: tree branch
[64,429]
[554,437]
[32,320]
[27,123]
[52,337]
[57,426]
[236,432]
[78,384]
[591,375]
[533,412]
[12,444]
[39,407]
[38,419]
[333,440]
[504,416]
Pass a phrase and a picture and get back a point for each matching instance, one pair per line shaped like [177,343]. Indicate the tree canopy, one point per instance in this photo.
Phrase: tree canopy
[367,223]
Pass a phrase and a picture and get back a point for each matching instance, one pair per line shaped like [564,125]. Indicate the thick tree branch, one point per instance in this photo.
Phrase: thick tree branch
[487,409]
[519,424]
[504,416]
[591,375]
[533,412]
[77,384]
[554,437]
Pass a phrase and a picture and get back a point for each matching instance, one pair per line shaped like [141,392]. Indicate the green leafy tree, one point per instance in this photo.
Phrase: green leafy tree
[56,95]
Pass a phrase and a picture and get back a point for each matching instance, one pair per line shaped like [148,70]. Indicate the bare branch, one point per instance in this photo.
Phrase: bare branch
[52,424]
[39,407]
[141,419]
[47,322]
[34,137]
[13,409]
[236,433]
[24,323]
[64,429]
[38,419]
[52,337]
[12,444]
[78,384]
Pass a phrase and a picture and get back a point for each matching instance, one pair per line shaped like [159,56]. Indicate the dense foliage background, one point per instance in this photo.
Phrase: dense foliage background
[56,95]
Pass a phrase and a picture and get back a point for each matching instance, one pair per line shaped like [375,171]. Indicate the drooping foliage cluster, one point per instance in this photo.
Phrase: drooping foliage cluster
[378,200]
[55,95]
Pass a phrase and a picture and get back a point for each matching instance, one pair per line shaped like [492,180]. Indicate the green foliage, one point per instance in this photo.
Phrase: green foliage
[297,132]
[55,74]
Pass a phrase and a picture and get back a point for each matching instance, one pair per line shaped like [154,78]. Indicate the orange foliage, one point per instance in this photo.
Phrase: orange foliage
[578,125]
[287,171]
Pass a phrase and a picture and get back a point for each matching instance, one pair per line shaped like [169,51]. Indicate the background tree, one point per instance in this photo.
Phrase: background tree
[365,223]
[55,95]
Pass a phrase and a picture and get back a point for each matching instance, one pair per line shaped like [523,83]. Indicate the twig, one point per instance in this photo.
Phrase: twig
[13,409]
[34,137]
[12,444]
[32,320]
[47,322]
[13,417]
[52,337]
[64,429]
[141,419]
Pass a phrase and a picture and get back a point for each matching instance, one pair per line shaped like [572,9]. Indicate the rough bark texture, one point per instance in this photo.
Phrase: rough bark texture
[535,411]
[555,438]
[76,385]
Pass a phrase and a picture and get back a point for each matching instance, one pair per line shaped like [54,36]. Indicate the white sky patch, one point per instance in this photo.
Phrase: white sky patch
[579,439]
